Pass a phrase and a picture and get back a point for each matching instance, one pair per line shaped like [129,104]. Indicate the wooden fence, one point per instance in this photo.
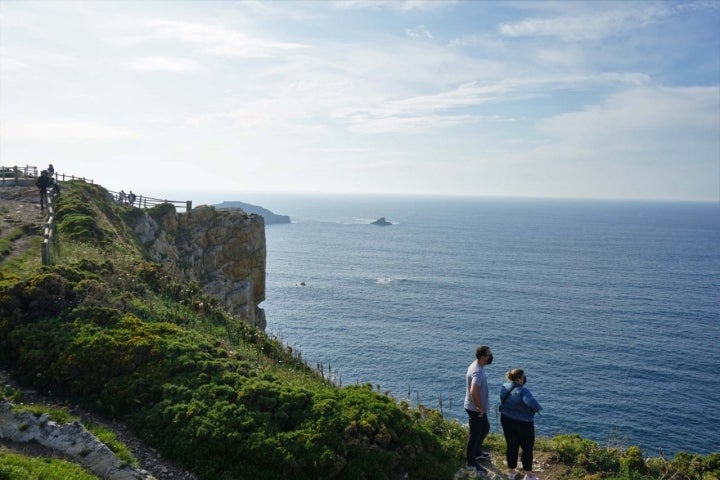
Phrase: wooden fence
[142,201]
[26,176]
[49,226]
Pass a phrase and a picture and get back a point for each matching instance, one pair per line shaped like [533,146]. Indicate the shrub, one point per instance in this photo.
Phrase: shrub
[574,450]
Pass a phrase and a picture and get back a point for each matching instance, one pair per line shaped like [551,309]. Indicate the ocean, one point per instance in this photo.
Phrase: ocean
[611,307]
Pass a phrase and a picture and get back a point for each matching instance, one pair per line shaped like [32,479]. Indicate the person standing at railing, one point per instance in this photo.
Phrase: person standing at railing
[51,170]
[42,183]
[131,198]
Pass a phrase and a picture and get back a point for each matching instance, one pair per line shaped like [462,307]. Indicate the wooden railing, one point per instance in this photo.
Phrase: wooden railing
[142,201]
[49,225]
[26,176]
[12,176]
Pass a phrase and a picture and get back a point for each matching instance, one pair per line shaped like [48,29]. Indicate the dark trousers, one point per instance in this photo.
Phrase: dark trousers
[518,435]
[43,199]
[479,428]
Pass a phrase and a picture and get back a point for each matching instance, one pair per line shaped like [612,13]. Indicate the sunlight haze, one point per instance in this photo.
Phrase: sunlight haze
[582,99]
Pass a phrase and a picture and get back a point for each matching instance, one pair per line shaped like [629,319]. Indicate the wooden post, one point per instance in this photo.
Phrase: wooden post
[46,252]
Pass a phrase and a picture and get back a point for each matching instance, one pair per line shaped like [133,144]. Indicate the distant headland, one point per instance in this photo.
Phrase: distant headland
[270,217]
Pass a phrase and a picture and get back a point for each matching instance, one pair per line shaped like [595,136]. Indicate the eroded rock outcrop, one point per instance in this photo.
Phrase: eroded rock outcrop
[222,250]
[69,439]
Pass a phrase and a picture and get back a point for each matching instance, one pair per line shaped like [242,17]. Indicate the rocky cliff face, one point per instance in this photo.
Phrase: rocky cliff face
[223,250]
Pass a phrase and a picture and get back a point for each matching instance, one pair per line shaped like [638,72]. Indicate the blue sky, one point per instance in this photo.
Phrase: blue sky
[523,99]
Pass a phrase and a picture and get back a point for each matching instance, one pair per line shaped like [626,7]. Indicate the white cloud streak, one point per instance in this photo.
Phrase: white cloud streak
[164,64]
[62,130]
[213,39]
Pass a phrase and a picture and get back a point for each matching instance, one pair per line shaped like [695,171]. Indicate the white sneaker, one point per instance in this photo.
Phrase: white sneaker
[511,475]
[530,477]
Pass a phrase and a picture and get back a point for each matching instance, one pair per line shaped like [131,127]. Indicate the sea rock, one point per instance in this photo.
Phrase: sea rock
[381,222]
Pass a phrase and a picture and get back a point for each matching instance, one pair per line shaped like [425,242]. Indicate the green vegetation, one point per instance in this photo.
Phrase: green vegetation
[109,438]
[122,337]
[62,415]
[19,467]
[22,263]
[588,460]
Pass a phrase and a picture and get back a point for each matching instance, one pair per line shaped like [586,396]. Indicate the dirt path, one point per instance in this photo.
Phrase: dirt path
[20,209]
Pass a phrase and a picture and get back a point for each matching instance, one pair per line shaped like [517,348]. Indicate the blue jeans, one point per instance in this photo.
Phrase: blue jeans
[479,428]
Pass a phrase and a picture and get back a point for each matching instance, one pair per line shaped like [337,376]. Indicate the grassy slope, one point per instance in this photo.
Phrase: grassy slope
[120,336]
[123,338]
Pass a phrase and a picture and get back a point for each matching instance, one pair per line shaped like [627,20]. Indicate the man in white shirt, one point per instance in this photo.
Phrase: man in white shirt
[477,405]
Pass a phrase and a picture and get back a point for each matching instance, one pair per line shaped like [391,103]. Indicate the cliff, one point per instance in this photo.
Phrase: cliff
[222,250]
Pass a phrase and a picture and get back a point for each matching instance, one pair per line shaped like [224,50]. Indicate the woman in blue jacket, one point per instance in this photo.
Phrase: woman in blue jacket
[518,408]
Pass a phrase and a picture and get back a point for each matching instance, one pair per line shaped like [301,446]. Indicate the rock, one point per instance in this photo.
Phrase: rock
[70,439]
[222,250]
[270,217]
[381,222]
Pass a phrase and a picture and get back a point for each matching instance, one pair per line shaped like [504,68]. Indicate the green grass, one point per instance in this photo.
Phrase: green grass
[55,414]
[62,415]
[109,438]
[20,467]
[24,265]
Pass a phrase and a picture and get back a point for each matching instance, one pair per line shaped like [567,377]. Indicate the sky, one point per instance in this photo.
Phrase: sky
[589,99]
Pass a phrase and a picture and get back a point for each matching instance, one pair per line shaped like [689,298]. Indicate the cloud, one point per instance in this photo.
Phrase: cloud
[591,25]
[215,39]
[402,6]
[164,64]
[642,120]
[58,130]
[409,125]
[420,31]
[10,64]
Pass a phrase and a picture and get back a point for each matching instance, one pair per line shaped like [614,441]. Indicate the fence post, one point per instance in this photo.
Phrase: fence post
[188,206]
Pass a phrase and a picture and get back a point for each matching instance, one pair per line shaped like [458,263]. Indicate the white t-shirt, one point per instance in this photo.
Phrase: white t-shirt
[476,374]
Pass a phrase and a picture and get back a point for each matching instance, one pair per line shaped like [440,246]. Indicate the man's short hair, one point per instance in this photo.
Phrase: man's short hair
[481,351]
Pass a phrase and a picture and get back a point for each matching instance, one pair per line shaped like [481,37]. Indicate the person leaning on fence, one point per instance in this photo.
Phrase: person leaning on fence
[53,183]
[42,183]
[51,170]
[131,198]
[121,197]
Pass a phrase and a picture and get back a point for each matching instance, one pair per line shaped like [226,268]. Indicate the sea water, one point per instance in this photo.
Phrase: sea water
[611,307]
